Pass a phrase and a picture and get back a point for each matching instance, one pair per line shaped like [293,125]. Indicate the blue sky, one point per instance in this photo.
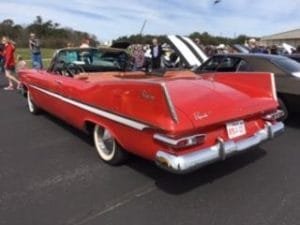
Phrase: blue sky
[109,19]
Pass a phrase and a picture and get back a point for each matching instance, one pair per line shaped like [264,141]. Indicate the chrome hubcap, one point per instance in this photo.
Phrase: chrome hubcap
[105,143]
[30,104]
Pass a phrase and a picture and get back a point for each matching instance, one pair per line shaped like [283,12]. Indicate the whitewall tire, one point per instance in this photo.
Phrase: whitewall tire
[31,106]
[107,147]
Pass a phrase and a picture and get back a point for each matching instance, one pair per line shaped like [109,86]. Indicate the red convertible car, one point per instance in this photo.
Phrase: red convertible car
[177,119]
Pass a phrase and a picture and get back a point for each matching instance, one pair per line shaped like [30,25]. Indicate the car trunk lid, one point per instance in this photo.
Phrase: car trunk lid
[207,101]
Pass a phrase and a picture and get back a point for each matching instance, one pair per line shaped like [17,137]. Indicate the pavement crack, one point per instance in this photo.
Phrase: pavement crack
[117,203]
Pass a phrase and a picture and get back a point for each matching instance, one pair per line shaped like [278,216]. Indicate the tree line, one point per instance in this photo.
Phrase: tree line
[53,35]
[205,38]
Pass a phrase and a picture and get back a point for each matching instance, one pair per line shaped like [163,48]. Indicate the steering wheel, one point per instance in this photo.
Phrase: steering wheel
[71,69]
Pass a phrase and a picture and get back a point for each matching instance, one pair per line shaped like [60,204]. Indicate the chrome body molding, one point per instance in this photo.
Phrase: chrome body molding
[174,142]
[274,92]
[220,151]
[94,110]
[170,103]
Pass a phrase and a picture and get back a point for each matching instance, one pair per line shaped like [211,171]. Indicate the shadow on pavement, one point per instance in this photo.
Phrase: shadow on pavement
[76,132]
[179,184]
[3,81]
[173,183]
[293,121]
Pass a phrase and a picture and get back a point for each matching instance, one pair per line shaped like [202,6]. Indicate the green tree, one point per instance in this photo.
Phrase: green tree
[50,33]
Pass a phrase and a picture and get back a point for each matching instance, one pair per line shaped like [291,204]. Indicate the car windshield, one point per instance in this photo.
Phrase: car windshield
[287,64]
[94,59]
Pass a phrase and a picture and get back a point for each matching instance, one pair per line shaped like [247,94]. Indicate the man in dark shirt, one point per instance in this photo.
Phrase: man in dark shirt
[156,53]
[253,46]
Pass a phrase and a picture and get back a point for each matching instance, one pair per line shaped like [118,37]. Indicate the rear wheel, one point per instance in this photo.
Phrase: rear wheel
[107,147]
[31,106]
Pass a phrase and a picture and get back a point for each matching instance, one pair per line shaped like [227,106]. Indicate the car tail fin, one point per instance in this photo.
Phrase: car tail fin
[256,83]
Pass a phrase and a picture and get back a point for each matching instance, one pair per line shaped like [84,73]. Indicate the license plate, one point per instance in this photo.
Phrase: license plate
[236,129]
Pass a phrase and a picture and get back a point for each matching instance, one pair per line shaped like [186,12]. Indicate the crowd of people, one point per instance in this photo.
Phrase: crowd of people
[154,55]
[251,45]
[11,65]
[147,55]
[160,56]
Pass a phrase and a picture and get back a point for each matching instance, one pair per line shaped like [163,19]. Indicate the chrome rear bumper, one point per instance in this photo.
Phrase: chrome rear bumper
[220,151]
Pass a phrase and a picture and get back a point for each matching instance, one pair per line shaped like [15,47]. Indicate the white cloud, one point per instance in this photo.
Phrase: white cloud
[114,18]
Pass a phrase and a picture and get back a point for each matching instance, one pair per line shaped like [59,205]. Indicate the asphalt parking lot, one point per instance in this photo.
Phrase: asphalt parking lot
[50,174]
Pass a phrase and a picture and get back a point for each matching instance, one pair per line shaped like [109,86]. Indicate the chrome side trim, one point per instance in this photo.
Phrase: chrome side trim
[220,151]
[99,112]
[174,142]
[278,114]
[170,103]
[274,92]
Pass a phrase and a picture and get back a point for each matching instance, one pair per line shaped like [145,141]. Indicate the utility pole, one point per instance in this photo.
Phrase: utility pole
[142,29]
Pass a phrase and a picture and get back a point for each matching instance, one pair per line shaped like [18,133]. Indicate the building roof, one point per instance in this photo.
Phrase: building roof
[252,55]
[292,34]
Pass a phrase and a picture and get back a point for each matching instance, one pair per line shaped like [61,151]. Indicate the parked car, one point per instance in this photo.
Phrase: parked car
[177,119]
[71,61]
[295,56]
[286,71]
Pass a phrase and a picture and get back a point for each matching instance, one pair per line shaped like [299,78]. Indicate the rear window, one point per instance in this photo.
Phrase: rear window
[295,57]
[287,64]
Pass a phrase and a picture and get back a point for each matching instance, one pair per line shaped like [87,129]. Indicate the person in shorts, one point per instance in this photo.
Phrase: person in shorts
[35,48]
[9,63]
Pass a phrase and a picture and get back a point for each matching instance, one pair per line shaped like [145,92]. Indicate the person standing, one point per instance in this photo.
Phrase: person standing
[156,53]
[1,58]
[253,46]
[85,43]
[36,56]
[199,44]
[274,50]
[139,58]
[9,63]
